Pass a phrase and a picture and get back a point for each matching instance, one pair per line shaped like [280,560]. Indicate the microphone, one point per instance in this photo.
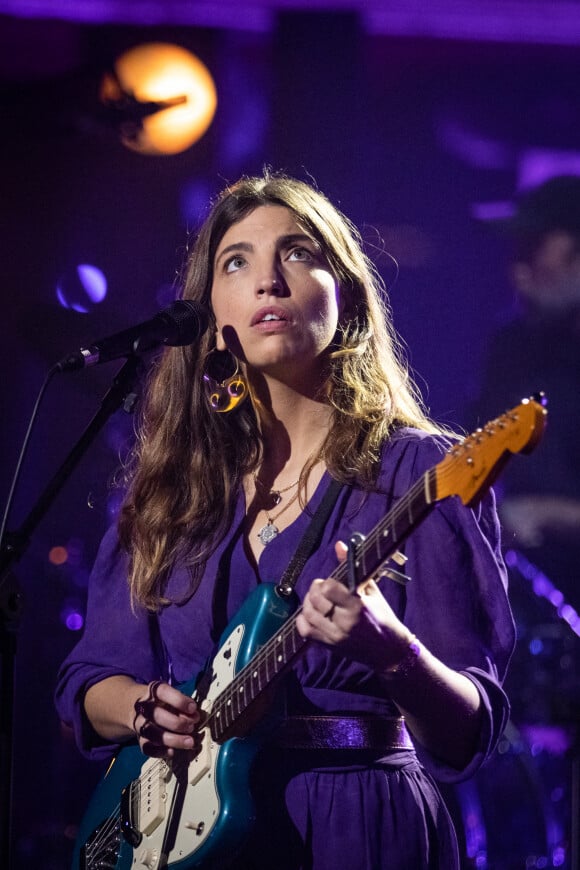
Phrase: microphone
[182,322]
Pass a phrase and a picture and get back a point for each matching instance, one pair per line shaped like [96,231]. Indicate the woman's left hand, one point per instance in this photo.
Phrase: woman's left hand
[363,624]
[442,707]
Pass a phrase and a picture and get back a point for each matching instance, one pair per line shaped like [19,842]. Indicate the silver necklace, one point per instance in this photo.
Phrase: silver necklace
[269,531]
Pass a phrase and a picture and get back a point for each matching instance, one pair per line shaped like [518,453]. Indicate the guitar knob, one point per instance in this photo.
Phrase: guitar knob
[149,859]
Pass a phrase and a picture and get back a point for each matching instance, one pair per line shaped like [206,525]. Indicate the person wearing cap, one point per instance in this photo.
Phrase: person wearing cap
[539,350]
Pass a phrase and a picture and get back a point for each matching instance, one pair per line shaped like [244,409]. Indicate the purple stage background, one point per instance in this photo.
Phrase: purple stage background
[418,123]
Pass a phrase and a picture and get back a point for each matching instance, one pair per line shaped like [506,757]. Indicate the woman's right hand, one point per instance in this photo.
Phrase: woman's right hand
[165,720]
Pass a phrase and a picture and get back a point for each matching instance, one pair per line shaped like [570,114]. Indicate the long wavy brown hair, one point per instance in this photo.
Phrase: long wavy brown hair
[189,462]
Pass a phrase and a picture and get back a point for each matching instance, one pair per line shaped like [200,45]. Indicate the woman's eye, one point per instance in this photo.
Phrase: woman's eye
[300,254]
[234,263]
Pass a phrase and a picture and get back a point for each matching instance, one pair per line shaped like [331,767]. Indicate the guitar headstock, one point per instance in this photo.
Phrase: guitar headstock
[472,465]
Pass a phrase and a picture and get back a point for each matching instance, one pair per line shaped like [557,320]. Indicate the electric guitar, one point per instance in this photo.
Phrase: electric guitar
[194,810]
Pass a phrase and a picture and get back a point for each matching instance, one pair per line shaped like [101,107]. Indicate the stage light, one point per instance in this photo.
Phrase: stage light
[58,555]
[81,288]
[72,618]
[160,97]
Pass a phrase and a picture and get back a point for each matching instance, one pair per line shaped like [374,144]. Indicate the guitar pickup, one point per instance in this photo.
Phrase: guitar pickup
[202,762]
[153,794]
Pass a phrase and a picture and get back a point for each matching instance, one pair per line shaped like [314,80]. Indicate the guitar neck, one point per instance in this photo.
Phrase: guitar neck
[231,711]
[386,537]
[233,703]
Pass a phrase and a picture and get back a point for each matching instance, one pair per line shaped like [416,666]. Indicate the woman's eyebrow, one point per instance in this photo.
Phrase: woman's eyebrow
[292,238]
[236,246]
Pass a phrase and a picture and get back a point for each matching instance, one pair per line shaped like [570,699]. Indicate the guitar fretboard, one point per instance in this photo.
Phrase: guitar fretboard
[280,651]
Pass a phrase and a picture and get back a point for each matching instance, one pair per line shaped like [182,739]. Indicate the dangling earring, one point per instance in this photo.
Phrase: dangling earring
[224,392]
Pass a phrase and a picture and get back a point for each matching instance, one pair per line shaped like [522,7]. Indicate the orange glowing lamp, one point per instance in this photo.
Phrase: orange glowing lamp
[161,97]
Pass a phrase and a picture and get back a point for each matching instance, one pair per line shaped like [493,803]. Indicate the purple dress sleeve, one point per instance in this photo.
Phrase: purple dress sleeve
[457,604]
[116,640]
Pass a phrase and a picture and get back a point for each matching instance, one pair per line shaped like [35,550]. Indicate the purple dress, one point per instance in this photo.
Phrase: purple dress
[314,810]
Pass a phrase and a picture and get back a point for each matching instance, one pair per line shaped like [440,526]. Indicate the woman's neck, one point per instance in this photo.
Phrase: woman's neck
[294,427]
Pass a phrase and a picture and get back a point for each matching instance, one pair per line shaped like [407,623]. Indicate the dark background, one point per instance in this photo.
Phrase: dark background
[410,134]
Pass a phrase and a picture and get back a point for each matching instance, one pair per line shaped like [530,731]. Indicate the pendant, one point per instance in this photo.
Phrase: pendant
[268,532]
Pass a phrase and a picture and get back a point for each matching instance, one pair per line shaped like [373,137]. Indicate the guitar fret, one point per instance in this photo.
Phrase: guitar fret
[280,651]
[228,710]
[427,481]
[241,699]
[235,706]
[379,557]
[215,722]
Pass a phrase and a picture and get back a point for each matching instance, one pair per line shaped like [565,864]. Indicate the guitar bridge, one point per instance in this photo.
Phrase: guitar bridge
[103,847]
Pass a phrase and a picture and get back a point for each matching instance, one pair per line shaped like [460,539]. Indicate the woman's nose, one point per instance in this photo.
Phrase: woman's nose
[272,285]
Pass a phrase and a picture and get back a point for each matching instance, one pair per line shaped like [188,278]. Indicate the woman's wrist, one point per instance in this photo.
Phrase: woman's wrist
[407,662]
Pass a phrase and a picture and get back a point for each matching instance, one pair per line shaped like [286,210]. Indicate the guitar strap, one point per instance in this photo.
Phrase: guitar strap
[310,539]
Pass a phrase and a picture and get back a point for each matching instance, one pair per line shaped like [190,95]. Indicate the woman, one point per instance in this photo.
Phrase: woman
[223,487]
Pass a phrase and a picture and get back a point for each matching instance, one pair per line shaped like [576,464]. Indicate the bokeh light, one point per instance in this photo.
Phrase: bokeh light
[81,288]
[164,95]
[58,555]
[72,617]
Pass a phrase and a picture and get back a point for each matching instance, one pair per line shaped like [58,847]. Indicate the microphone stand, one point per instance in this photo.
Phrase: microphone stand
[121,393]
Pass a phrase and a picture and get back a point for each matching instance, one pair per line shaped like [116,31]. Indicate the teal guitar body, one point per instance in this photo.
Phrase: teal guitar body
[191,811]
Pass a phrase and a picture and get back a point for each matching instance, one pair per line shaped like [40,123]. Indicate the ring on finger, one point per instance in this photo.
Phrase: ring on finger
[145,706]
[142,708]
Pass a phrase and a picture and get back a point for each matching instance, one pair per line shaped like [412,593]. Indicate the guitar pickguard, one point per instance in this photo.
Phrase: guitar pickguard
[185,812]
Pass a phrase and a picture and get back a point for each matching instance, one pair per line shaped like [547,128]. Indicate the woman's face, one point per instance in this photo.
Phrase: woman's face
[274,297]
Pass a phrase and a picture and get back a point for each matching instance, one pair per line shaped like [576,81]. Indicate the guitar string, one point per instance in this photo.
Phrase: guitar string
[108,827]
[104,833]
[399,509]
[111,823]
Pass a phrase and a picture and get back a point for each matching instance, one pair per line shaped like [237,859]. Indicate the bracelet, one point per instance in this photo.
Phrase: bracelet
[408,662]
